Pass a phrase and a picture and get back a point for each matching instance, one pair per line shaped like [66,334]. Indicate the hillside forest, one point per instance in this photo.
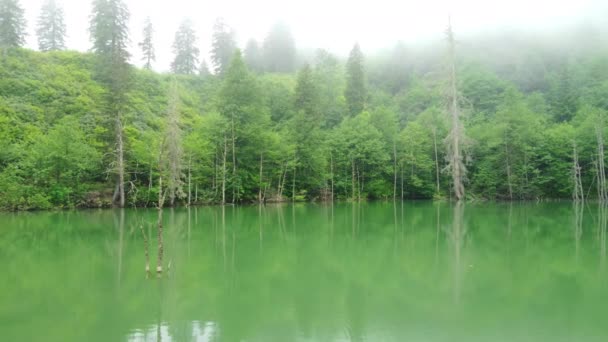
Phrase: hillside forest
[495,116]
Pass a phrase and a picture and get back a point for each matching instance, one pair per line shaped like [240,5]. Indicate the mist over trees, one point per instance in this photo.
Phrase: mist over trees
[12,24]
[502,116]
[51,29]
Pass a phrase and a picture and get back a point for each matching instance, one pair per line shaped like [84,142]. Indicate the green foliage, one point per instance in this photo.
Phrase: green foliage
[247,136]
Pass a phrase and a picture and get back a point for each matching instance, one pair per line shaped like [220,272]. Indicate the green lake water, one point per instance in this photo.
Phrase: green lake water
[412,271]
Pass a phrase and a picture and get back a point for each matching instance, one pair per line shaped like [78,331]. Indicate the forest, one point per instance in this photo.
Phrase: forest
[494,116]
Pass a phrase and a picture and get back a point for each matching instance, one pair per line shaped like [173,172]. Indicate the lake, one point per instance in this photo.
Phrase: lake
[378,271]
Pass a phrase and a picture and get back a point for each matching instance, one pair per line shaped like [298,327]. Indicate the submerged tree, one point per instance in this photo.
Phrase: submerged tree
[12,24]
[223,46]
[455,139]
[110,37]
[185,50]
[147,46]
[356,90]
[51,28]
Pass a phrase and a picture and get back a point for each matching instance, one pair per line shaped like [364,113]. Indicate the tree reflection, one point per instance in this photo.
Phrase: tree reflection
[457,236]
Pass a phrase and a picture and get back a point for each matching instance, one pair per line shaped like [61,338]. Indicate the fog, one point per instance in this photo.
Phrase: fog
[332,25]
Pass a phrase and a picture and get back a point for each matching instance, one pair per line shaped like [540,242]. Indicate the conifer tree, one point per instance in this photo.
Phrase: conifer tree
[147,46]
[51,27]
[223,46]
[356,92]
[185,50]
[12,24]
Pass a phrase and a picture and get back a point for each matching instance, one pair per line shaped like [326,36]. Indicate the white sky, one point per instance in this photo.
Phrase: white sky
[331,24]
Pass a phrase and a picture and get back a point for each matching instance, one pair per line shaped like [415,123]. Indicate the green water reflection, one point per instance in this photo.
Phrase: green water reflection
[417,271]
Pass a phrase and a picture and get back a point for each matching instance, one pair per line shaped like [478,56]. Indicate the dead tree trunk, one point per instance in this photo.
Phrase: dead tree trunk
[507,160]
[353,178]
[224,172]
[578,193]
[234,178]
[293,184]
[331,170]
[159,208]
[394,169]
[456,135]
[120,165]
[260,197]
[601,176]
[436,159]
[190,181]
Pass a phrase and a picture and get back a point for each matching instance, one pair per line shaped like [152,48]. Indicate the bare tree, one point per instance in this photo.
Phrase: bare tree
[174,147]
[577,193]
[456,136]
[601,173]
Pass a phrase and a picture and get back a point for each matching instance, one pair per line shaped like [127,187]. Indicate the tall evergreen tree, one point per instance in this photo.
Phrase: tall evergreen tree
[356,90]
[185,50]
[223,46]
[12,24]
[51,27]
[147,46]
[279,50]
[110,37]
[203,69]
[253,56]
[305,132]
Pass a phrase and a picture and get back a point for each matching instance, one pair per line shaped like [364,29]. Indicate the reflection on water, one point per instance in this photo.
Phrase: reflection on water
[198,332]
[309,272]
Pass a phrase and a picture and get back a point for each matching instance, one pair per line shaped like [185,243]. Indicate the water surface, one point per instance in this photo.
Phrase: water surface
[418,271]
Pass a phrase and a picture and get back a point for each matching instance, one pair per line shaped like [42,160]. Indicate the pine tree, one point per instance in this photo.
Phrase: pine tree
[203,69]
[253,56]
[146,45]
[51,28]
[185,50]
[223,46]
[110,37]
[279,50]
[12,24]
[356,92]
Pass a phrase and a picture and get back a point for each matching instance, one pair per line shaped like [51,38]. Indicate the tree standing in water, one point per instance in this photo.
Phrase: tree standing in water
[456,135]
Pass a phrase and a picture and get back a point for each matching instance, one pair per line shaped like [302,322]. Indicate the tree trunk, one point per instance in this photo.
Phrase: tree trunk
[159,208]
[224,172]
[353,178]
[394,170]
[234,178]
[260,197]
[455,157]
[190,181]
[509,183]
[331,170]
[120,162]
[578,193]
[436,159]
[293,184]
[603,196]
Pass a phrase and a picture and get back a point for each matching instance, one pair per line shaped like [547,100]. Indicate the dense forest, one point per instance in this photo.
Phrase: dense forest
[275,123]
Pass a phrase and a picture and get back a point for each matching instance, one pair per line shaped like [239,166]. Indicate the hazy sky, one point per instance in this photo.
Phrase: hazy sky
[331,24]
